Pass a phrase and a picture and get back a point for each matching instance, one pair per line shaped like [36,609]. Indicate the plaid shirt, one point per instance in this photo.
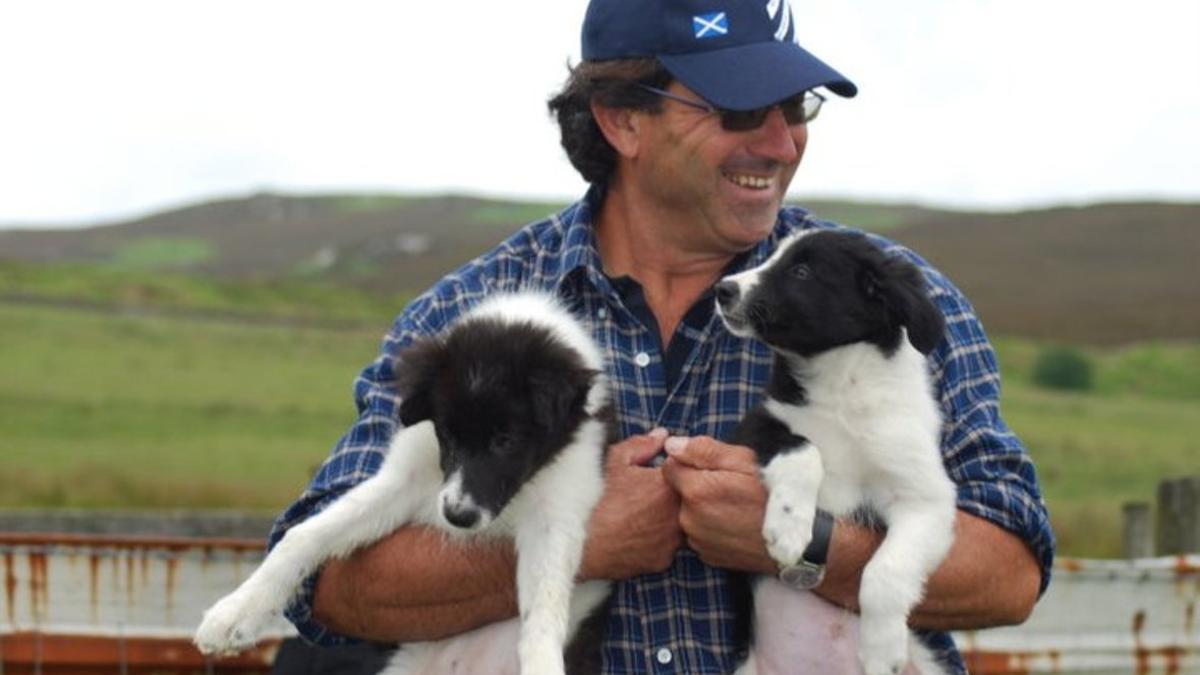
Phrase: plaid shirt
[686,609]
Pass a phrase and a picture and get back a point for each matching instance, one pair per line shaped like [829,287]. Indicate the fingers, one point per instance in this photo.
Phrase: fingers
[722,500]
[637,450]
[703,452]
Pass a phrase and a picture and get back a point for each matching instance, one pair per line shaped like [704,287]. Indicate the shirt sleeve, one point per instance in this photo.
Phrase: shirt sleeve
[360,452]
[995,476]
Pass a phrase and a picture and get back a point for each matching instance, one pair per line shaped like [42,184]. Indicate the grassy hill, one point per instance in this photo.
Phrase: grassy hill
[380,243]
[203,357]
[132,411]
[147,411]
[1103,274]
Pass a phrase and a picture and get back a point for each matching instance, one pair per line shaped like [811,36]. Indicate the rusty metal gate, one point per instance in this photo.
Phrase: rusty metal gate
[91,604]
[112,604]
[1105,617]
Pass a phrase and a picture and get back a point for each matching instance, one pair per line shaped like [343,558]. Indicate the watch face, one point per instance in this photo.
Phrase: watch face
[802,575]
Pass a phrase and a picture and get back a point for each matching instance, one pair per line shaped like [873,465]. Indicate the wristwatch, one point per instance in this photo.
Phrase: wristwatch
[807,572]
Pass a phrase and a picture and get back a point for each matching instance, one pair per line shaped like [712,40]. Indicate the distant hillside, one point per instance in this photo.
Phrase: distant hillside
[373,241]
[1101,274]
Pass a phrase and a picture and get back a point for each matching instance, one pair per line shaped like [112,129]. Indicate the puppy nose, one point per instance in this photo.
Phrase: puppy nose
[727,292]
[464,519]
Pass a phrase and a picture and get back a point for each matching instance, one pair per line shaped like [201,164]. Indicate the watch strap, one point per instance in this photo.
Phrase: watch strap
[817,551]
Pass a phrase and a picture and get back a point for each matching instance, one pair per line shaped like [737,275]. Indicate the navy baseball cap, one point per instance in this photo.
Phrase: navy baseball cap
[736,54]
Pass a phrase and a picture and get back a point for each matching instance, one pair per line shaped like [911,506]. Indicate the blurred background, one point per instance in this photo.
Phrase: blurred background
[211,211]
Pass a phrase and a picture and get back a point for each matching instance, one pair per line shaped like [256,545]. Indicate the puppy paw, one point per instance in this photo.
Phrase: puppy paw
[787,529]
[883,650]
[234,623]
[542,666]
[541,660]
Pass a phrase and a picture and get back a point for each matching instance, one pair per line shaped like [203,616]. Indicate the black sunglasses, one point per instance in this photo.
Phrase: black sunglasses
[798,109]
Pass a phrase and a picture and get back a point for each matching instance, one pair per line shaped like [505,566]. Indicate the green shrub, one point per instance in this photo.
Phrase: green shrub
[1062,368]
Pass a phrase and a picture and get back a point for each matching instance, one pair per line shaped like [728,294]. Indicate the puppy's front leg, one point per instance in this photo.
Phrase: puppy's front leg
[549,550]
[364,514]
[793,479]
[918,537]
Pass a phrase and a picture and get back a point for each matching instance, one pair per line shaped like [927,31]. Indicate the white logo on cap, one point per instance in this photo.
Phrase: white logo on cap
[773,7]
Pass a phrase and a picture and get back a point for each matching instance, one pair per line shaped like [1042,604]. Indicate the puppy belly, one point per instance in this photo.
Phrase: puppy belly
[489,650]
[799,633]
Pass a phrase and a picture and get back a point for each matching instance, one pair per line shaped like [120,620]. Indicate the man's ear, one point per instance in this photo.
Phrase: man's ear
[620,127]
[416,373]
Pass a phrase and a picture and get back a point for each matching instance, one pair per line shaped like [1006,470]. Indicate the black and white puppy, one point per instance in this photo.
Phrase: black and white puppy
[506,421]
[849,425]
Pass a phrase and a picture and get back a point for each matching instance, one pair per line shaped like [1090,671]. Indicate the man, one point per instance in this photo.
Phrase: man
[689,119]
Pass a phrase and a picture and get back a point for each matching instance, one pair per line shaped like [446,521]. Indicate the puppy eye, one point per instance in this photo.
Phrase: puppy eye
[800,271]
[501,443]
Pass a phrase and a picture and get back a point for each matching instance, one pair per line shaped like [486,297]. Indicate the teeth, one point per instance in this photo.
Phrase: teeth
[749,181]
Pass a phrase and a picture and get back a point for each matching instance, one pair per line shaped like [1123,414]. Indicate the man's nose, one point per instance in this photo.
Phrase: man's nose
[778,140]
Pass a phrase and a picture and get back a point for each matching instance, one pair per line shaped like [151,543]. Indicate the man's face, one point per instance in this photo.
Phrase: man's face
[726,186]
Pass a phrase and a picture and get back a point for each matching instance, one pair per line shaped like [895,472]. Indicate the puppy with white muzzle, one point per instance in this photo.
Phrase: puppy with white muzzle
[849,427]
[506,421]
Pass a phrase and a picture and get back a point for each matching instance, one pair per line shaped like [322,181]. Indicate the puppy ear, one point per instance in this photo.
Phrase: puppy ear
[558,395]
[872,283]
[417,371]
[905,294]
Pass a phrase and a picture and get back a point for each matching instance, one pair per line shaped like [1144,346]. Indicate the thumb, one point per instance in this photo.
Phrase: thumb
[637,450]
[703,452]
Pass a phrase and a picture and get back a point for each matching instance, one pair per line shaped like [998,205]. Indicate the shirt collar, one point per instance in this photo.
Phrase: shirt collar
[579,236]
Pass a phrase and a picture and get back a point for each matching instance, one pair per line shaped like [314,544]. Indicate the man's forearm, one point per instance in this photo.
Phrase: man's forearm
[989,577]
[415,585]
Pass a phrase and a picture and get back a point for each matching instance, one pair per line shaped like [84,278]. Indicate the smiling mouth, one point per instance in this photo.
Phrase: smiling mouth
[748,181]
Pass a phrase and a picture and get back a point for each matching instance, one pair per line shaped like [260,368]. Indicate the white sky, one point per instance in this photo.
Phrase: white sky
[117,108]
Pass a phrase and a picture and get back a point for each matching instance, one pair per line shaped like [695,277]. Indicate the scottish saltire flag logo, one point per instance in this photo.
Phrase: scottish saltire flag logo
[710,25]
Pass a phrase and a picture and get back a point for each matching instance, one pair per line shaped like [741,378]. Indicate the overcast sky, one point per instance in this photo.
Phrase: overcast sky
[118,108]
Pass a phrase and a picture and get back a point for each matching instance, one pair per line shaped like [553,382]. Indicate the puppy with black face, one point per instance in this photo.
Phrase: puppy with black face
[827,289]
[504,397]
[506,420]
[849,428]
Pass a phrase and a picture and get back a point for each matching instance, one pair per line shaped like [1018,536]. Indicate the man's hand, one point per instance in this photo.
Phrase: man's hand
[635,527]
[722,502]
[989,578]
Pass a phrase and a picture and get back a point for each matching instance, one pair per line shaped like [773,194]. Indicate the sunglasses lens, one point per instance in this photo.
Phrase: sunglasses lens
[801,109]
[797,109]
[812,106]
[743,120]
[793,109]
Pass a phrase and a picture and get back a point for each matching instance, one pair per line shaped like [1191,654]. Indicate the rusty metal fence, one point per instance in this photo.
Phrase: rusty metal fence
[1102,617]
[99,603]
[112,604]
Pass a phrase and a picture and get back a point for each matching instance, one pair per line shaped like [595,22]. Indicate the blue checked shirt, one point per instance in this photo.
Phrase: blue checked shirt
[686,609]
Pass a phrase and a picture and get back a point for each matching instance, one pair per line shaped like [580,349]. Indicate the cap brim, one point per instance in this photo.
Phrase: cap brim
[755,75]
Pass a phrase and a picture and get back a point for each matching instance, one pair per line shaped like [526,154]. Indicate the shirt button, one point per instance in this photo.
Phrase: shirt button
[602,313]
[643,360]
[663,656]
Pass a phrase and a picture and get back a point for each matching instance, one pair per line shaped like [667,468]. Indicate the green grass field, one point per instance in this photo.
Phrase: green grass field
[106,410]
[102,409]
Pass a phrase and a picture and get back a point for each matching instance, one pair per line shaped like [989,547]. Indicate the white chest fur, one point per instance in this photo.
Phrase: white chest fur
[873,420]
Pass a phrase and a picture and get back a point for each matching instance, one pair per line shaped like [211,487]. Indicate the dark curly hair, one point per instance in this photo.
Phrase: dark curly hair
[610,83]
